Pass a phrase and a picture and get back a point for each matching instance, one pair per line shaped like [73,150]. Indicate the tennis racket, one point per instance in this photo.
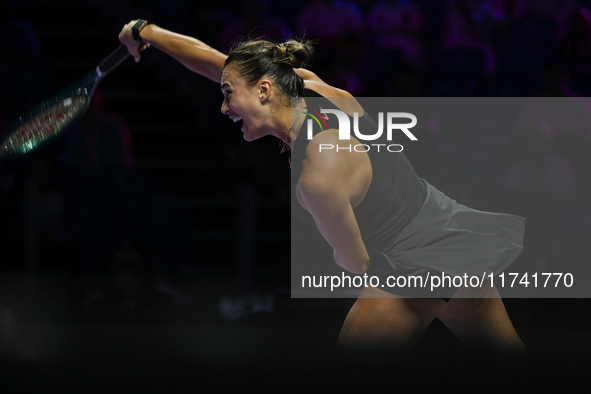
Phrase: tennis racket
[51,118]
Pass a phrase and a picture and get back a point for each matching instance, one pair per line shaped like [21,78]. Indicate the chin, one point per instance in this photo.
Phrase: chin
[246,135]
[249,136]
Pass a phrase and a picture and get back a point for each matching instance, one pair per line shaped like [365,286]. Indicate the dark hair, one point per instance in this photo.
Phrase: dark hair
[259,58]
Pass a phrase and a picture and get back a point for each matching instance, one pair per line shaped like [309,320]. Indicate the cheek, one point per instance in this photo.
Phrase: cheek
[240,106]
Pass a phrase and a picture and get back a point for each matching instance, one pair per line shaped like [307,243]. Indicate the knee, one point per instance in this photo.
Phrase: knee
[384,323]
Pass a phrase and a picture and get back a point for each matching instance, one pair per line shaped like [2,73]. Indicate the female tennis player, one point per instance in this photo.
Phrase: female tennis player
[378,216]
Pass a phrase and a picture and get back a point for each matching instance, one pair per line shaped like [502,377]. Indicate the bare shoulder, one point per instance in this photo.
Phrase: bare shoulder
[307,75]
[329,167]
[323,168]
[313,82]
[320,152]
[339,97]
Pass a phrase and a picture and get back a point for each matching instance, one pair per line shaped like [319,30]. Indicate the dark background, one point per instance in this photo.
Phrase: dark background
[150,247]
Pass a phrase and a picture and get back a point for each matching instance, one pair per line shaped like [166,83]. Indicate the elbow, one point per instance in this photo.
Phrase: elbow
[356,267]
[359,268]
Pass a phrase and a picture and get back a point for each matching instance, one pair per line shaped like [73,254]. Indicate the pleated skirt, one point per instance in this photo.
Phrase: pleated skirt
[448,239]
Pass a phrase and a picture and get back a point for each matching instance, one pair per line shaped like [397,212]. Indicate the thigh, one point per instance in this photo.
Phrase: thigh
[480,321]
[381,319]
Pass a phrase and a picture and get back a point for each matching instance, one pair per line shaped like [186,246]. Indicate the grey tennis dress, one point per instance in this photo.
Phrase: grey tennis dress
[411,228]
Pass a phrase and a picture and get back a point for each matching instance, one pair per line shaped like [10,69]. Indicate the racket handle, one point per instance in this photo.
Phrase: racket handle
[112,61]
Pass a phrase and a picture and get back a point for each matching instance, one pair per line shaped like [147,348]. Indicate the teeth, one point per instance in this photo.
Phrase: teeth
[236,119]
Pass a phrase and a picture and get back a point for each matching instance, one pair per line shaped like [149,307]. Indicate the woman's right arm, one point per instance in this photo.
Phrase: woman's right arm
[190,52]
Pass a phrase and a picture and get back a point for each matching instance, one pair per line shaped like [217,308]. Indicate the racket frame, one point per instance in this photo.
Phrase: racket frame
[83,87]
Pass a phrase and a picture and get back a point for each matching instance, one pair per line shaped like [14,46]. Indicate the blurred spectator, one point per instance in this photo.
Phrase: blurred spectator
[556,81]
[108,200]
[167,13]
[31,209]
[10,219]
[350,69]
[209,20]
[531,37]
[100,140]
[407,81]
[329,21]
[468,24]
[119,11]
[19,44]
[337,27]
[254,21]
[547,181]
[2,122]
[398,25]
[559,11]
[575,49]
[22,83]
[458,72]
[163,13]
[559,127]
[132,295]
[44,213]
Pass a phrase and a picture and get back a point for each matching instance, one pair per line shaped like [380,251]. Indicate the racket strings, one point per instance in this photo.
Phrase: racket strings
[44,125]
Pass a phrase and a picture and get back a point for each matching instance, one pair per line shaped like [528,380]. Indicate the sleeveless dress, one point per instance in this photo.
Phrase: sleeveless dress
[410,228]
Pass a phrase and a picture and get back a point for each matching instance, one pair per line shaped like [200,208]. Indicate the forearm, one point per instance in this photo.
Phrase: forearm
[190,52]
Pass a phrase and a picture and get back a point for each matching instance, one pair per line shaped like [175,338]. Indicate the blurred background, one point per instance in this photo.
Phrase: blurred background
[152,232]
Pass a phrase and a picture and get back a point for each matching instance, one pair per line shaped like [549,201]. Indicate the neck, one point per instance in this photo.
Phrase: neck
[297,119]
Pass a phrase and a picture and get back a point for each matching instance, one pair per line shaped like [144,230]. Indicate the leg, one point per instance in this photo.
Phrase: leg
[481,323]
[380,319]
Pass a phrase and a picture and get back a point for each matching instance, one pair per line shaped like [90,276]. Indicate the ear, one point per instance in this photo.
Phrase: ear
[265,89]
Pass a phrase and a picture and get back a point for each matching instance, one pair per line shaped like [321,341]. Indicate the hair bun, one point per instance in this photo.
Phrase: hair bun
[295,53]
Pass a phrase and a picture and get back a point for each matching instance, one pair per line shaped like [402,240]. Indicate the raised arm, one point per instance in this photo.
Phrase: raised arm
[190,52]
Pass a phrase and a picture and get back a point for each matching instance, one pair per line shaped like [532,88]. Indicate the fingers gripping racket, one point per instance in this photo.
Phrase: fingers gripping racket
[52,117]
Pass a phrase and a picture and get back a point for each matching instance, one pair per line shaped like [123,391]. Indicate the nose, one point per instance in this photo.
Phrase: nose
[225,107]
